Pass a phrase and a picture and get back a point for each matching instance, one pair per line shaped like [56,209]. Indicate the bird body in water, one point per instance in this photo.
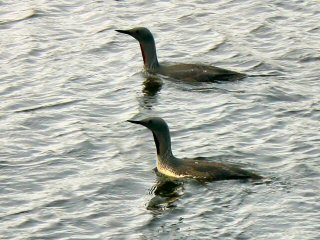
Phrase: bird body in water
[183,72]
[199,168]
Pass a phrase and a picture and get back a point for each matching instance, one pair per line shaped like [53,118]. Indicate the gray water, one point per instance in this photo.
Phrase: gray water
[71,167]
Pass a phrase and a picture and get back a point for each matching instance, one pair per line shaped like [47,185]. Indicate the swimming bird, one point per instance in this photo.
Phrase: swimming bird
[184,72]
[199,168]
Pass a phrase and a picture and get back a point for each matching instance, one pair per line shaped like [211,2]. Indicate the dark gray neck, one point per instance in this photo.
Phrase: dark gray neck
[149,55]
[163,145]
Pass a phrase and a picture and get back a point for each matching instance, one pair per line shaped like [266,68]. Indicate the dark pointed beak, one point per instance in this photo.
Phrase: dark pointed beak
[124,31]
[135,122]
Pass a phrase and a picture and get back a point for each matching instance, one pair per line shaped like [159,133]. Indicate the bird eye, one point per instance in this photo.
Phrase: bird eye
[138,31]
[150,121]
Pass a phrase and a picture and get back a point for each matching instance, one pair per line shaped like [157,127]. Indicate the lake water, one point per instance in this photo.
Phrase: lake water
[71,167]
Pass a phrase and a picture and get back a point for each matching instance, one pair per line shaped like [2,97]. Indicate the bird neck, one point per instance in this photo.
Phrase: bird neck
[166,162]
[163,145]
[149,55]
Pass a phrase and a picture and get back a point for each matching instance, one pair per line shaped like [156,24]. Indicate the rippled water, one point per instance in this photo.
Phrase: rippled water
[71,167]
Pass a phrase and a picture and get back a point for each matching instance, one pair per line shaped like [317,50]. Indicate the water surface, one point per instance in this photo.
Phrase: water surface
[71,167]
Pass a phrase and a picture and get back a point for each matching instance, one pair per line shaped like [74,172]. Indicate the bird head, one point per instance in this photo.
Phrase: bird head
[142,34]
[155,124]
[160,131]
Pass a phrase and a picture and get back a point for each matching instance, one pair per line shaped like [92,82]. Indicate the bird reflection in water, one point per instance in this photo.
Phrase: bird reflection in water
[152,85]
[166,192]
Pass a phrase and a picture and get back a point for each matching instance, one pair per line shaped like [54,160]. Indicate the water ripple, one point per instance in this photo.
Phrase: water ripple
[72,167]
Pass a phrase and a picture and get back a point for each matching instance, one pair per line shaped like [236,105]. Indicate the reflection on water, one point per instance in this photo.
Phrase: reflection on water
[167,192]
[152,85]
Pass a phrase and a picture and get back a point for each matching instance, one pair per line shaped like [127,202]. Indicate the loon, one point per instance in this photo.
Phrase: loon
[183,72]
[198,168]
